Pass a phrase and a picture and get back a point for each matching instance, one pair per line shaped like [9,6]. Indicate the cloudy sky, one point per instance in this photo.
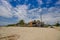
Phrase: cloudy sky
[11,11]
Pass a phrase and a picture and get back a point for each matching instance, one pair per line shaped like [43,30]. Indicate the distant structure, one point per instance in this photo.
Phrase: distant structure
[36,23]
[30,24]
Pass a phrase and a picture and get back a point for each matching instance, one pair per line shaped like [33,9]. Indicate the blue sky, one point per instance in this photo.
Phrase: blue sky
[11,11]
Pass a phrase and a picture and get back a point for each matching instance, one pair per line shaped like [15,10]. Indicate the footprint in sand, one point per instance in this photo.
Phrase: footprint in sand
[11,37]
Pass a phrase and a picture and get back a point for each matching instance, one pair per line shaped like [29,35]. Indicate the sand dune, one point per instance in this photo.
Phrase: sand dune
[29,33]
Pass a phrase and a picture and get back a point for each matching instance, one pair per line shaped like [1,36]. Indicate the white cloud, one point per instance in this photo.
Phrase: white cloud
[50,15]
[48,18]
[39,2]
[58,2]
[5,9]
[49,1]
[35,12]
[21,11]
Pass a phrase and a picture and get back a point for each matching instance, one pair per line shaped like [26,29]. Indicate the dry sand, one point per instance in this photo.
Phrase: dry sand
[29,33]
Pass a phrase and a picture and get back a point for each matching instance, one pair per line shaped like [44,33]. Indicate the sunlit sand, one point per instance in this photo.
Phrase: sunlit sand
[29,33]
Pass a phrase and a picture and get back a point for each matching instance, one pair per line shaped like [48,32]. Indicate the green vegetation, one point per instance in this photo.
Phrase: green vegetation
[57,24]
[11,25]
[21,22]
[35,23]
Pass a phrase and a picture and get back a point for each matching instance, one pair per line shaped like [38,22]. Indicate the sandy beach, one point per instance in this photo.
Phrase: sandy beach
[29,33]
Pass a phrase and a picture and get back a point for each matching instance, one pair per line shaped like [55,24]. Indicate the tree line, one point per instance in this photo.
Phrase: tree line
[35,23]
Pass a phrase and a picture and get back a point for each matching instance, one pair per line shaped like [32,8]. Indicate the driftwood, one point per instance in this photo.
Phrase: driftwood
[11,37]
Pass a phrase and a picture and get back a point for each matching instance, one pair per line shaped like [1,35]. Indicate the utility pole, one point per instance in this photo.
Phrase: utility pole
[41,18]
[40,12]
